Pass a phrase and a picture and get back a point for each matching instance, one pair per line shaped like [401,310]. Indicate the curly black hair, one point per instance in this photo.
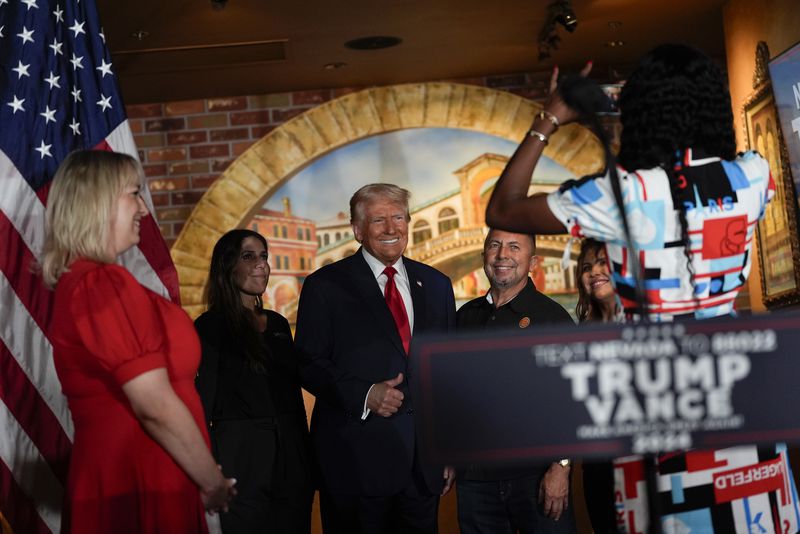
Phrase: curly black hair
[676,98]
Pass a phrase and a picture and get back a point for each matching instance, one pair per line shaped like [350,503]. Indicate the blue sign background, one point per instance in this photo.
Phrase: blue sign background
[784,71]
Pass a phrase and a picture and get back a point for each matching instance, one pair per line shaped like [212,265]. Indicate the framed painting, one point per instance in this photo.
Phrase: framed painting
[778,246]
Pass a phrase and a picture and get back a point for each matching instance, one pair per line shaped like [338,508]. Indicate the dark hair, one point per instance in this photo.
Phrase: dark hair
[531,238]
[587,309]
[676,98]
[223,297]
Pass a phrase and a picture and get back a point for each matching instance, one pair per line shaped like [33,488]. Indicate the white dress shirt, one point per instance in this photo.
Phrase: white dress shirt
[403,286]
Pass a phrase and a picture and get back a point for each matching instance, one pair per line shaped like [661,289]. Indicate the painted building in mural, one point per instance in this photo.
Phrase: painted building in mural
[292,252]
[446,231]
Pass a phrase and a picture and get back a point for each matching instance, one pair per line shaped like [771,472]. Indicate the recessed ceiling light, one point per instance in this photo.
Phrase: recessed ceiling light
[615,44]
[374,42]
[335,65]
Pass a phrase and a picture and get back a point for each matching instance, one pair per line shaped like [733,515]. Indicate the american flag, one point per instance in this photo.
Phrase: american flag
[58,93]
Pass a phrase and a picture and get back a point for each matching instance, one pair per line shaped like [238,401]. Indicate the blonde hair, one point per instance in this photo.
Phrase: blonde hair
[80,205]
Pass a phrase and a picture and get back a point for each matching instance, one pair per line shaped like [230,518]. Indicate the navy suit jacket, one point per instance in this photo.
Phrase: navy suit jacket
[347,340]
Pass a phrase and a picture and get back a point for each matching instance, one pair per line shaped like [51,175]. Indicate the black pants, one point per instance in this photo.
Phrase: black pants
[507,507]
[270,498]
[413,510]
[598,491]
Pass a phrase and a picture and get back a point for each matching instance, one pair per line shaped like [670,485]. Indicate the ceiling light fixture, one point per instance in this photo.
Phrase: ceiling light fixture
[565,16]
[558,12]
[140,35]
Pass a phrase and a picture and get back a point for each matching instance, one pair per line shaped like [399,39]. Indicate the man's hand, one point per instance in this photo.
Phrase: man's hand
[554,491]
[449,477]
[384,399]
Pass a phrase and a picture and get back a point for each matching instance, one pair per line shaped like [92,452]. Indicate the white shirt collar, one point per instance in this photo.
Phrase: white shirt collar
[377,266]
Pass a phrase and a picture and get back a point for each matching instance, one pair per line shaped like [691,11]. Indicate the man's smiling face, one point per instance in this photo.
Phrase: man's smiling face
[507,259]
[384,230]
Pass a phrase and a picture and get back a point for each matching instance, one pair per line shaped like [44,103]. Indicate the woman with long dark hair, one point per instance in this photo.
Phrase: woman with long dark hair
[678,226]
[249,384]
[596,298]
[597,302]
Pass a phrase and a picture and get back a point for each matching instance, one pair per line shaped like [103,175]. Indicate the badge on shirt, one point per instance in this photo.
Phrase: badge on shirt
[525,322]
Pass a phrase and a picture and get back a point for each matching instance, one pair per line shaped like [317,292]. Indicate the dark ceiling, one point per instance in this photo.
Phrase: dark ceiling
[191,50]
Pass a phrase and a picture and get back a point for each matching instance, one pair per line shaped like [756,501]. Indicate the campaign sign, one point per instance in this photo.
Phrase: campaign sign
[606,390]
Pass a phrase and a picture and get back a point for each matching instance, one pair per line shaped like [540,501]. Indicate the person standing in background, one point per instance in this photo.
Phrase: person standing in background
[596,298]
[249,384]
[525,499]
[597,302]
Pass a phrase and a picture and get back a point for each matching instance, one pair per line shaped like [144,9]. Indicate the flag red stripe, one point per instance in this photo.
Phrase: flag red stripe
[155,250]
[18,508]
[43,191]
[33,414]
[16,261]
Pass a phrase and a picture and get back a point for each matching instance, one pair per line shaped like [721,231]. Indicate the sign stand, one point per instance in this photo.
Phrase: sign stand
[653,506]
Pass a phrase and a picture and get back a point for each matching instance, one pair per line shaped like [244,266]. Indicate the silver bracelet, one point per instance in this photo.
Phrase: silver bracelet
[538,135]
[544,114]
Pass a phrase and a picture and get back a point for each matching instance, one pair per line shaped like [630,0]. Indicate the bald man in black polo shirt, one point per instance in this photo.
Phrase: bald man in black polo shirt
[530,499]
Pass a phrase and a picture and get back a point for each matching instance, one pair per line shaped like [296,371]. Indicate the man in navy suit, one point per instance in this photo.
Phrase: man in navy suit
[354,323]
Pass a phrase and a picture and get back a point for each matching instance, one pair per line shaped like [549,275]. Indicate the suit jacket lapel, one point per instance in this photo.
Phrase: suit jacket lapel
[417,296]
[367,286]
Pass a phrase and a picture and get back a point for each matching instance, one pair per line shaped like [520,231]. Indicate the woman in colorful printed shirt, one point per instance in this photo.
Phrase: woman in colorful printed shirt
[692,206]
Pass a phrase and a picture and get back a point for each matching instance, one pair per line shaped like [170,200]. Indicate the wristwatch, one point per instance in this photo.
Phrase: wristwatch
[564,462]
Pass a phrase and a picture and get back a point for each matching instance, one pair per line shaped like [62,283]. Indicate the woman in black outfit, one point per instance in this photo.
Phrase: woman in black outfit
[250,389]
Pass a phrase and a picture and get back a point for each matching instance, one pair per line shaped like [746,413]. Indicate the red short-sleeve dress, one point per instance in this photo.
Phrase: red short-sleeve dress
[106,330]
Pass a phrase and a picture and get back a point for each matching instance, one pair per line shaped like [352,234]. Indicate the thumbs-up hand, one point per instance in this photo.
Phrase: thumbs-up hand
[384,399]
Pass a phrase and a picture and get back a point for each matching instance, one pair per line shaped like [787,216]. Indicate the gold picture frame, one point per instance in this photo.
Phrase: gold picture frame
[778,244]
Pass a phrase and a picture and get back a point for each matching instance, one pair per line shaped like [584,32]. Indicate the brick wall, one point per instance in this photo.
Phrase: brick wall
[184,146]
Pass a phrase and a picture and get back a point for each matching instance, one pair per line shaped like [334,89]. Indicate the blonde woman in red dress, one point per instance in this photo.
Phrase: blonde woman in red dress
[126,359]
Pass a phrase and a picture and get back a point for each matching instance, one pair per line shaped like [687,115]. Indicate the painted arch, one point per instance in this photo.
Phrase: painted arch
[274,159]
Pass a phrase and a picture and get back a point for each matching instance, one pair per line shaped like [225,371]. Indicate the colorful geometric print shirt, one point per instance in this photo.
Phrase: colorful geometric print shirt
[723,201]
[740,490]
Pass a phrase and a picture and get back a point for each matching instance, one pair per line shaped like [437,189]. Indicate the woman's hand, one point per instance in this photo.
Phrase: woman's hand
[169,422]
[555,105]
[217,498]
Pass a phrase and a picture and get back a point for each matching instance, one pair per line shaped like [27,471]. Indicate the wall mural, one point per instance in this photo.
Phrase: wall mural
[280,156]
[450,173]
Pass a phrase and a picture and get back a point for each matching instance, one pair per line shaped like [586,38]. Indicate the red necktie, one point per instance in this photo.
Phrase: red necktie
[396,306]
